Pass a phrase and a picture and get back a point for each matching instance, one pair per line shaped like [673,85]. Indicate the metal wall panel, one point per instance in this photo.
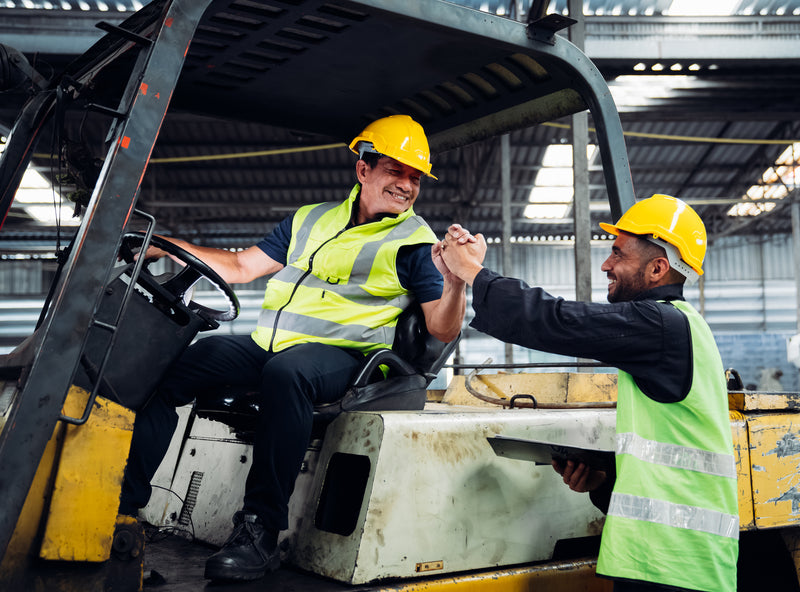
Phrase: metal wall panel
[749,290]
[21,277]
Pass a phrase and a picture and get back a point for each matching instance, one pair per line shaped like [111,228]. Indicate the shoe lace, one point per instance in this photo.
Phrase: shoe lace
[245,530]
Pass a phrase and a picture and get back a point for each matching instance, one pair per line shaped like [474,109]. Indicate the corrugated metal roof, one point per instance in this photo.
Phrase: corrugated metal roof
[235,201]
[630,7]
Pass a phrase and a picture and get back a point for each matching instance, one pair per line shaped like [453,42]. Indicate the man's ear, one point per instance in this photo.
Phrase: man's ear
[361,170]
[659,268]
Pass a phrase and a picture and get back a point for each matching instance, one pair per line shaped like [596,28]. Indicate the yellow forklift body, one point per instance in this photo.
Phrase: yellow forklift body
[555,576]
[20,548]
[741,451]
[773,463]
[78,508]
[83,510]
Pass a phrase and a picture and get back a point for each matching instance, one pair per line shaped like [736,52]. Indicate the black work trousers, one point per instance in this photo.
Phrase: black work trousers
[290,383]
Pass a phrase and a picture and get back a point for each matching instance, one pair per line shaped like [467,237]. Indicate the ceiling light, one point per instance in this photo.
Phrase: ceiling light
[47,215]
[551,203]
[750,209]
[599,206]
[641,90]
[37,198]
[554,177]
[560,155]
[775,183]
[551,196]
[704,8]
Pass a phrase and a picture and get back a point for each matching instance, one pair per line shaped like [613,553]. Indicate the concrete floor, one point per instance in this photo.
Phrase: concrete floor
[174,564]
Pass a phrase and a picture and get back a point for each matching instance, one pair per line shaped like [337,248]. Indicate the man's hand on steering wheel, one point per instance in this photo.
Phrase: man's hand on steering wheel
[178,284]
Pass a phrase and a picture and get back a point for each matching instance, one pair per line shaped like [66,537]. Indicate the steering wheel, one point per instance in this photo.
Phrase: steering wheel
[175,286]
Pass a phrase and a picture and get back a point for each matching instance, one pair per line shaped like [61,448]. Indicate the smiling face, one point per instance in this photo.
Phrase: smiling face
[389,188]
[627,269]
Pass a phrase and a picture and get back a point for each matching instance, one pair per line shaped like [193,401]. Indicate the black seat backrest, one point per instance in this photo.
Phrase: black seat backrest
[414,344]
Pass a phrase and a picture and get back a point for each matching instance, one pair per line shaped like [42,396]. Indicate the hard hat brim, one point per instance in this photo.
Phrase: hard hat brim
[609,228]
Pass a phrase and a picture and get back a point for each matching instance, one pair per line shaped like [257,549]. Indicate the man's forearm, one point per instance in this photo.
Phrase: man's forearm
[447,315]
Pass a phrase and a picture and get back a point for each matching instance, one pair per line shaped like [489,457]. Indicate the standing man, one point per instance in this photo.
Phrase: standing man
[344,271]
[672,519]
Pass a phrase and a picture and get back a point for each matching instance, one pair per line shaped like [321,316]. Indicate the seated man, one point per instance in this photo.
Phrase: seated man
[344,271]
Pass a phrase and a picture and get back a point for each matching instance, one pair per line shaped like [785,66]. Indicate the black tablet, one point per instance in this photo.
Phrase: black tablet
[541,453]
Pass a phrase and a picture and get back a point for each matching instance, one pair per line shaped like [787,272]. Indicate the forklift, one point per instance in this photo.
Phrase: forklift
[420,497]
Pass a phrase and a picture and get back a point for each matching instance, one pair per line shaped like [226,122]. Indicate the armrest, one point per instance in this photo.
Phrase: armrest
[397,366]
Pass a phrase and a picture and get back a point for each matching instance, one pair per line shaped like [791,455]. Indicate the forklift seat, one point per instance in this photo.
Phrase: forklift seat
[393,379]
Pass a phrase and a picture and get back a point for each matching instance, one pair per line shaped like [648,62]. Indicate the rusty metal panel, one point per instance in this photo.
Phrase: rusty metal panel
[549,388]
[741,451]
[756,401]
[775,460]
[560,576]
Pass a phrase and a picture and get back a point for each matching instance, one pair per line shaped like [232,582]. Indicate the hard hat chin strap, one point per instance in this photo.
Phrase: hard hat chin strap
[675,261]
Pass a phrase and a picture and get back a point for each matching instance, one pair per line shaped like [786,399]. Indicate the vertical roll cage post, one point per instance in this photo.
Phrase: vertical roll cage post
[33,415]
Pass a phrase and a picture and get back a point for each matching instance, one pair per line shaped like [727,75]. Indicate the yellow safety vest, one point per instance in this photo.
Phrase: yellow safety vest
[673,517]
[340,284]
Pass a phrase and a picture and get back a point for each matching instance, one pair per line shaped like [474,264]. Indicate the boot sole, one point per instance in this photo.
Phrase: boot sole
[229,573]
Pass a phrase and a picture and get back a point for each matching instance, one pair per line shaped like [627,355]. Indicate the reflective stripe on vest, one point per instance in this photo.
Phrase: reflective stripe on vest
[354,291]
[676,515]
[300,238]
[330,330]
[673,455]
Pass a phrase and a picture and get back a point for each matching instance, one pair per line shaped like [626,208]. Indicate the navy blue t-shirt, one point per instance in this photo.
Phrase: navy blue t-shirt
[415,268]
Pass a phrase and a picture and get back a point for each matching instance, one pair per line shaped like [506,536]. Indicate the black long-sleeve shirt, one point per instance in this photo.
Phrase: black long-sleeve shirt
[647,337]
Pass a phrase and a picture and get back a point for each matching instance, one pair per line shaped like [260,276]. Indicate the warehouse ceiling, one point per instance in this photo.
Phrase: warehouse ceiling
[708,104]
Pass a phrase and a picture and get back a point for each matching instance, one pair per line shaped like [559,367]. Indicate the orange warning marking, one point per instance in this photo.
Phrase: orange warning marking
[126,141]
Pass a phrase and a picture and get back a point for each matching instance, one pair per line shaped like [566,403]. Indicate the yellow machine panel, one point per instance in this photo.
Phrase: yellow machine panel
[85,500]
[775,464]
[567,389]
[741,451]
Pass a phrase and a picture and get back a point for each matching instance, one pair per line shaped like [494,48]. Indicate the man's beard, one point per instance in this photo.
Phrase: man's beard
[625,290]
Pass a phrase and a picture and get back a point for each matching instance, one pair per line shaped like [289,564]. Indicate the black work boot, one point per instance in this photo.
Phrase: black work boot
[248,554]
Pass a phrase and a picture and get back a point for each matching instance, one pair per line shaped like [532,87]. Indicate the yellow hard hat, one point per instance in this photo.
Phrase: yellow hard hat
[670,220]
[398,137]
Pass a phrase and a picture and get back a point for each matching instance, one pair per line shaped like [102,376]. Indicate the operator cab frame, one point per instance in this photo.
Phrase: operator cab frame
[158,59]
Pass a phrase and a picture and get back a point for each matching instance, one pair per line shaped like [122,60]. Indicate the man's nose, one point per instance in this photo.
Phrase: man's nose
[404,183]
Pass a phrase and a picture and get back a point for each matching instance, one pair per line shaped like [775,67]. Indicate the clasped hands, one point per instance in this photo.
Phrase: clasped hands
[460,253]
